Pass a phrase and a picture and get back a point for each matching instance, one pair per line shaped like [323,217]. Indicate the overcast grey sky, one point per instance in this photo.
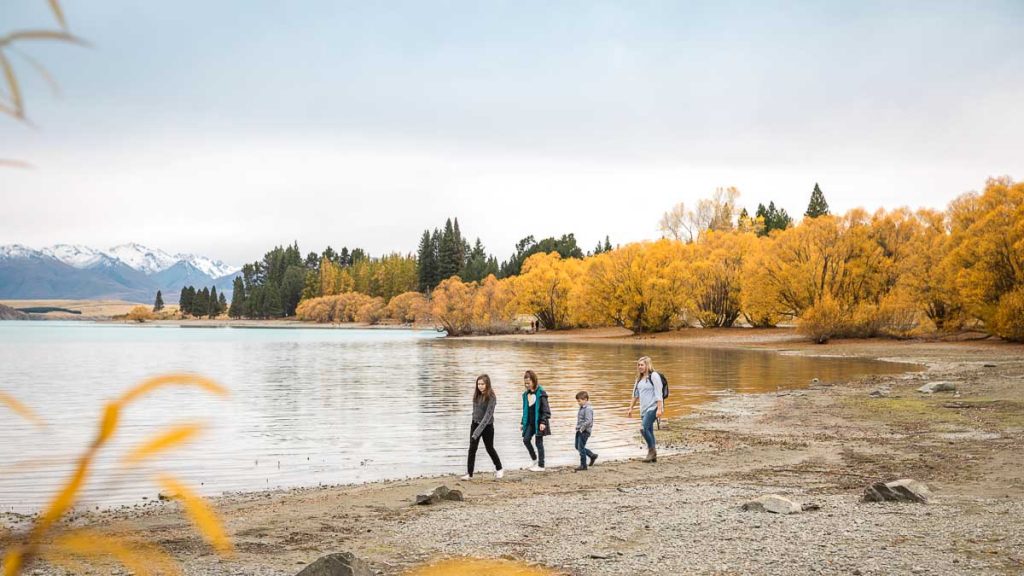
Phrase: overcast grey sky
[224,128]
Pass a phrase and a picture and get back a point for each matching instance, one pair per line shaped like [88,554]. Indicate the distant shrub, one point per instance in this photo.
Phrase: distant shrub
[140,314]
[409,307]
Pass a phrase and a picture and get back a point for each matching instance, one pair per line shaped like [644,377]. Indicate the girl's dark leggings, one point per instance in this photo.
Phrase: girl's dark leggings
[488,436]
[530,434]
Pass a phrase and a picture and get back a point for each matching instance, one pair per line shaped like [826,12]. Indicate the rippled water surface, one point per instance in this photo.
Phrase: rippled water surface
[325,406]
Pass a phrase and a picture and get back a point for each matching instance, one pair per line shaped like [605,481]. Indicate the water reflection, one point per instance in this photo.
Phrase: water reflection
[312,406]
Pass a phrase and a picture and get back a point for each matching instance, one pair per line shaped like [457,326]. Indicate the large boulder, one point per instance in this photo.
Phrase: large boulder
[772,503]
[905,490]
[340,564]
[932,387]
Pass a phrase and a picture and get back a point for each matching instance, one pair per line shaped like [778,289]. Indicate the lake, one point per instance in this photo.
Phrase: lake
[314,406]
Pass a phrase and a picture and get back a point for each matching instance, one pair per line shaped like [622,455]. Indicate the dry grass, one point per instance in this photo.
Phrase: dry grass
[91,308]
[51,541]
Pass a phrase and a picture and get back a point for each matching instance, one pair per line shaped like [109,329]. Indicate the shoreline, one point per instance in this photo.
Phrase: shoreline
[820,445]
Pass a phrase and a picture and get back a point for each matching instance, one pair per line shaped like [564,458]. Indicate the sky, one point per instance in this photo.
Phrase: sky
[225,128]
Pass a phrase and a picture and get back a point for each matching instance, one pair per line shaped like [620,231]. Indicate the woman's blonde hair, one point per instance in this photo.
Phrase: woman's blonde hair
[647,362]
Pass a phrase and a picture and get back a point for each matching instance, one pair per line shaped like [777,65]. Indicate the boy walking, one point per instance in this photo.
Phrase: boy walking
[584,426]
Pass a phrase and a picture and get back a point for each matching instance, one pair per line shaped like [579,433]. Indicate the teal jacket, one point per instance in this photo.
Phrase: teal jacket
[541,412]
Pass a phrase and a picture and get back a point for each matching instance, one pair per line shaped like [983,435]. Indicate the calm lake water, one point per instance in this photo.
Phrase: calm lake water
[321,406]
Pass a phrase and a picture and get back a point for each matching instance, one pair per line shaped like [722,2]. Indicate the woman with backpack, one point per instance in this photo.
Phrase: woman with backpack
[536,423]
[648,389]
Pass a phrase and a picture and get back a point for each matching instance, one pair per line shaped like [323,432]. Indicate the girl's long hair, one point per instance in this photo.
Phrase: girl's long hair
[487,394]
[532,376]
[650,367]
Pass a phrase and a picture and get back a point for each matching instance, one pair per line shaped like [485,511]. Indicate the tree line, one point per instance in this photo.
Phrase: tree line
[198,303]
[895,273]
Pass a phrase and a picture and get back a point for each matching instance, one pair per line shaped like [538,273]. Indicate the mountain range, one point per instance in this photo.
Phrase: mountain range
[127,272]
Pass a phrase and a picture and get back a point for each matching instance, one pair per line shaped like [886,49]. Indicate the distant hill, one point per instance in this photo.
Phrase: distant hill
[128,272]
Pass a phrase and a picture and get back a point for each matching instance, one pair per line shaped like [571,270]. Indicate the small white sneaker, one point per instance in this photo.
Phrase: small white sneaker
[537,469]
[499,474]
[466,477]
[533,464]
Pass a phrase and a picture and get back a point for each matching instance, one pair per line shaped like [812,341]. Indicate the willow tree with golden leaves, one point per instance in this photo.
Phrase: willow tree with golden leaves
[717,276]
[643,287]
[452,305]
[988,230]
[545,288]
[927,274]
[492,310]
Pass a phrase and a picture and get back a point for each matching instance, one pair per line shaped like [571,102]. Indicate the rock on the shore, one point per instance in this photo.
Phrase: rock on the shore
[772,503]
[933,387]
[438,494]
[339,564]
[905,490]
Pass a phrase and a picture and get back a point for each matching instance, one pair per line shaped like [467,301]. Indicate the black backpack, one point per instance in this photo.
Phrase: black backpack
[664,384]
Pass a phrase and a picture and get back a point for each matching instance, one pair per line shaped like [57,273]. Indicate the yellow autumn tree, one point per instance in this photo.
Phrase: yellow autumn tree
[452,305]
[926,275]
[717,276]
[760,305]
[544,288]
[492,313]
[409,307]
[643,287]
[988,230]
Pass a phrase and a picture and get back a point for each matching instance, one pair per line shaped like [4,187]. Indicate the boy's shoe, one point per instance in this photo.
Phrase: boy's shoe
[580,469]
[466,477]
[537,469]
[498,474]
[593,459]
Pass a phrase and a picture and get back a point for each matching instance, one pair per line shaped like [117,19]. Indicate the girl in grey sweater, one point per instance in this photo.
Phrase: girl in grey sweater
[484,402]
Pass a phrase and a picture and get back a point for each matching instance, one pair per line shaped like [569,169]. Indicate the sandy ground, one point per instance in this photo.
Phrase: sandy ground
[682,515]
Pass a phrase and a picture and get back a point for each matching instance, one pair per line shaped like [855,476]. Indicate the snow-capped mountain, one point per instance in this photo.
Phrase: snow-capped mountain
[143,259]
[129,271]
[76,256]
[136,256]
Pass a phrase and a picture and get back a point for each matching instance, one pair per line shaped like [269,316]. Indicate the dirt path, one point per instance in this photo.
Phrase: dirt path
[681,515]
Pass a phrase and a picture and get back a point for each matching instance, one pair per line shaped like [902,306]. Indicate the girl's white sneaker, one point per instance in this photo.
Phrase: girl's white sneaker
[536,468]
[498,474]
[466,477]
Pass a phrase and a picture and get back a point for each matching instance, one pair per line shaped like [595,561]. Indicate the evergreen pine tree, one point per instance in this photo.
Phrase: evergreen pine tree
[158,305]
[817,206]
[449,253]
[222,304]
[214,304]
[435,243]
[201,303]
[237,309]
[184,302]
[426,258]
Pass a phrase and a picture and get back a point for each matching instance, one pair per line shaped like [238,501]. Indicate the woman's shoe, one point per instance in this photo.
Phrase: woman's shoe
[498,474]
[652,455]
[466,477]
[537,469]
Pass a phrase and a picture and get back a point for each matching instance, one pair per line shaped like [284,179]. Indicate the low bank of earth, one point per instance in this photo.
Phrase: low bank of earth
[682,515]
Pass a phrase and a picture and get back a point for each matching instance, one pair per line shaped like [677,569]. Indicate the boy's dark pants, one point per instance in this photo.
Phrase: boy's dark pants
[581,447]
